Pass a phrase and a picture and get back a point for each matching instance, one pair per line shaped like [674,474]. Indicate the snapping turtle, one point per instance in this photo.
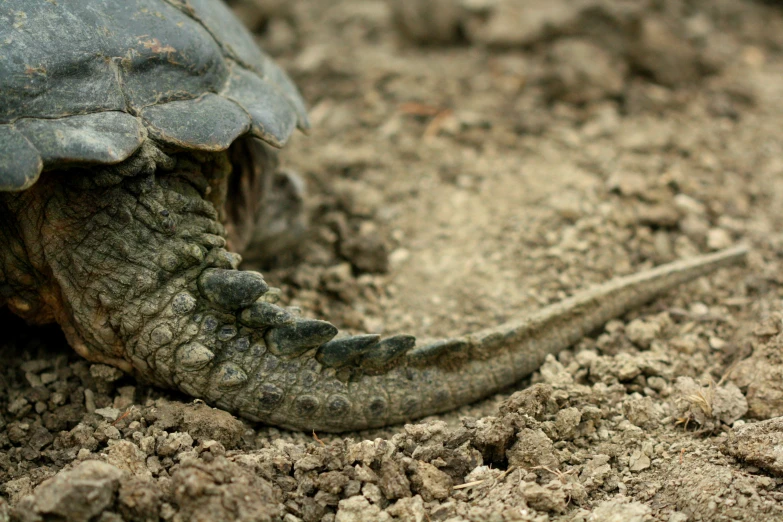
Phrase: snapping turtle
[137,146]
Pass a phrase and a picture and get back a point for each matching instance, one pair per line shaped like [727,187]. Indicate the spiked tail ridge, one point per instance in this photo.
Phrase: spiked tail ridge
[362,382]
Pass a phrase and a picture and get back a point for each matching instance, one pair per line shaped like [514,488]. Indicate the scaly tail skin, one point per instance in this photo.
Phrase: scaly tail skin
[359,393]
[132,264]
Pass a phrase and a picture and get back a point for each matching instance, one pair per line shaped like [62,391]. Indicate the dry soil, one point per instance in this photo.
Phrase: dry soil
[471,160]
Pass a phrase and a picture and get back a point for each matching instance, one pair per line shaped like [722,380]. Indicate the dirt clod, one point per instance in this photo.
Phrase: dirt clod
[79,494]
[760,444]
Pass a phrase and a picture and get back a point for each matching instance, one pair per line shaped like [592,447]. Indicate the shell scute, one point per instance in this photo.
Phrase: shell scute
[181,123]
[274,118]
[99,138]
[176,68]
[20,163]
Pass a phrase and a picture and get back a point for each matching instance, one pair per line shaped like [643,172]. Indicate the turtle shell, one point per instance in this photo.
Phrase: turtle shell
[87,81]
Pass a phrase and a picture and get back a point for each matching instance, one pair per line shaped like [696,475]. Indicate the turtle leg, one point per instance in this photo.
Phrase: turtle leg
[282,222]
[20,282]
[135,270]
[265,206]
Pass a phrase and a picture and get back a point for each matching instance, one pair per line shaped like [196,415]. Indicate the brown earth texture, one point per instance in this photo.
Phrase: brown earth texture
[470,161]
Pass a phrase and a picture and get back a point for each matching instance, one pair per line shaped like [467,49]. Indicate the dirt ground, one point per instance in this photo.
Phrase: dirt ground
[471,160]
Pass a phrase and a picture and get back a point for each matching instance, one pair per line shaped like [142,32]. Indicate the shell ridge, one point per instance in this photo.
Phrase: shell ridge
[19,170]
[104,137]
[286,88]
[171,122]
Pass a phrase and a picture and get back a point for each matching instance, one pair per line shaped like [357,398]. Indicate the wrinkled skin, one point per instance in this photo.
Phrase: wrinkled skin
[99,253]
[114,256]
[134,263]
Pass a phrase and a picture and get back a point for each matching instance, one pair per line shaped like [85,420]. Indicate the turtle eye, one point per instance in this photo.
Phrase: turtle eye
[164,213]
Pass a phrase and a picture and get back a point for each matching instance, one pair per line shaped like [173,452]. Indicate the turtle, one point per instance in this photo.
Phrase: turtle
[138,160]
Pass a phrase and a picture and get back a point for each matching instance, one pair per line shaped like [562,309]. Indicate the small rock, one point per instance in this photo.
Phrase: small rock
[202,422]
[759,444]
[492,436]
[48,378]
[622,367]
[566,423]
[620,509]
[554,373]
[77,494]
[222,490]
[642,333]
[515,24]
[661,50]
[430,482]
[434,21]
[17,489]
[641,412]
[638,461]
[139,500]
[373,493]
[357,509]
[393,481]
[108,413]
[126,456]
[89,400]
[368,253]
[532,449]
[125,398]
[698,309]
[761,374]
[19,407]
[629,184]
[718,239]
[411,508]
[689,205]
[544,498]
[595,472]
[33,379]
[332,482]
[532,401]
[36,365]
[173,444]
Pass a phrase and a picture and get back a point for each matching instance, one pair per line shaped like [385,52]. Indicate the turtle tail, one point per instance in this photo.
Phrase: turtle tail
[133,265]
[298,381]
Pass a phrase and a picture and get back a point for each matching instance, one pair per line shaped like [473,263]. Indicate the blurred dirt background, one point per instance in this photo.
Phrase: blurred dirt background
[471,160]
